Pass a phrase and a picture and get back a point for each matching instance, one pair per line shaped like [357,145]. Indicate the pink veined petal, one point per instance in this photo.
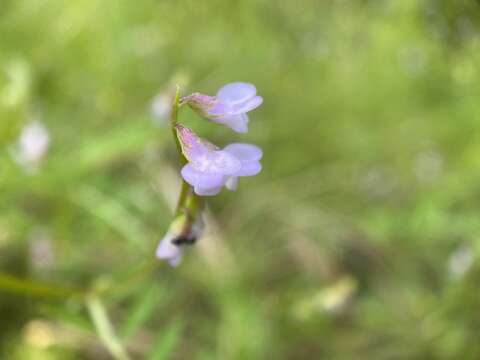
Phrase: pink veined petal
[238,123]
[249,168]
[246,106]
[237,92]
[168,251]
[207,191]
[200,101]
[193,147]
[244,152]
[232,183]
[198,178]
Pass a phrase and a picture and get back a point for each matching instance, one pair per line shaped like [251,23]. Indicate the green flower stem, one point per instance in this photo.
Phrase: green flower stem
[105,328]
[38,289]
[14,285]
[133,278]
[189,205]
[174,121]
[188,202]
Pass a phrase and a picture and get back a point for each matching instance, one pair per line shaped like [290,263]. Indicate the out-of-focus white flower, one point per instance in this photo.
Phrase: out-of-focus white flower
[32,145]
[161,107]
[40,334]
[428,166]
[333,299]
[413,60]
[460,261]
[41,250]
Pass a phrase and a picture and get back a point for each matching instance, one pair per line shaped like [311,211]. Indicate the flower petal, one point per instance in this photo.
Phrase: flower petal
[246,106]
[244,152]
[249,168]
[232,183]
[207,191]
[216,162]
[166,250]
[219,109]
[238,123]
[193,147]
[237,92]
[201,179]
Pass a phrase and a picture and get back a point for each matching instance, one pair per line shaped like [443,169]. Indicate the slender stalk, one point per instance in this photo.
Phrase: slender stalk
[187,196]
[132,278]
[26,287]
[174,121]
[105,329]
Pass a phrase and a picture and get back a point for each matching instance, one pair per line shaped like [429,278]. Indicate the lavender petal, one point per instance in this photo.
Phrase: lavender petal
[216,162]
[238,123]
[249,168]
[244,152]
[237,92]
[166,250]
[246,106]
[207,191]
[201,179]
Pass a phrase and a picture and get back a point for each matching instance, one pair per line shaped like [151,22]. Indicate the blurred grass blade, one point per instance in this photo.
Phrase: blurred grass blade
[165,343]
[105,329]
[67,316]
[142,311]
[33,288]
[112,212]
[99,151]
[94,153]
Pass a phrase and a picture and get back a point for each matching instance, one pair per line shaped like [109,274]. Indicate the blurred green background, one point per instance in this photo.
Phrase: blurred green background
[360,238]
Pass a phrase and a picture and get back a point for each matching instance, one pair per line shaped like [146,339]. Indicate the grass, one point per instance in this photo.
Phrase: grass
[359,239]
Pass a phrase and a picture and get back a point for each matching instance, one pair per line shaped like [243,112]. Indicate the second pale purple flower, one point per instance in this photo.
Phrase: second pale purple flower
[229,107]
[210,168]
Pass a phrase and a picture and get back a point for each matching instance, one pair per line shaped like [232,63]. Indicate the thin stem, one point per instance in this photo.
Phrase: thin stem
[33,288]
[105,329]
[174,121]
[132,278]
[187,196]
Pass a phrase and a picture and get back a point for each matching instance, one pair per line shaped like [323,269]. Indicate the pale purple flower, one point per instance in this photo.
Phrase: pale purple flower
[229,107]
[182,232]
[209,168]
[168,251]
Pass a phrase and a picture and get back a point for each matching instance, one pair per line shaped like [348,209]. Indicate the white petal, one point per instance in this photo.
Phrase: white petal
[232,183]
